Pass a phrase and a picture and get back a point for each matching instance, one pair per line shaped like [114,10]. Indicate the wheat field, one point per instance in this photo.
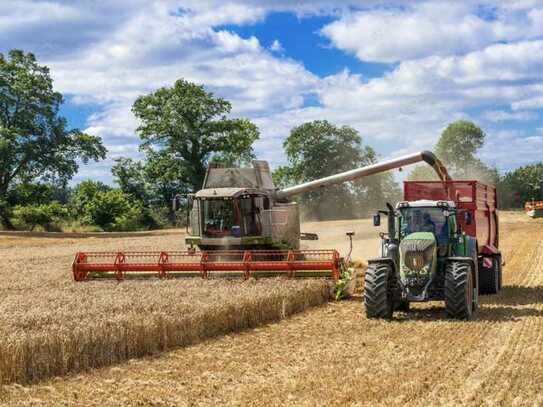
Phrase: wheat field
[333,355]
[50,325]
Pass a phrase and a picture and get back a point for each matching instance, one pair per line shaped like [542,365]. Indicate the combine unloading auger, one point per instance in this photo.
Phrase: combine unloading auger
[240,208]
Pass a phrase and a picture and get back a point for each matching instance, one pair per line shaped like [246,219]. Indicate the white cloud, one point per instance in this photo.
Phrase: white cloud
[530,103]
[450,64]
[504,116]
[424,29]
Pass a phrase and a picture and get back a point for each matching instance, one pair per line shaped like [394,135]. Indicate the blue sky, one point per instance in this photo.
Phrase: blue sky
[398,72]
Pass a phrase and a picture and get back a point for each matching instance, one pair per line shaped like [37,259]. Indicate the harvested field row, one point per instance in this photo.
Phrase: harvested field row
[333,355]
[50,325]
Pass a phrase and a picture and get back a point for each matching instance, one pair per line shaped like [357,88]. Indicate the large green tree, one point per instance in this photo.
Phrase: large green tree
[35,142]
[457,148]
[153,181]
[186,126]
[318,149]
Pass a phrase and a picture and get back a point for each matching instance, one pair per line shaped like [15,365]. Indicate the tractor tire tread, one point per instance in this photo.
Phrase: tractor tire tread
[456,283]
[377,298]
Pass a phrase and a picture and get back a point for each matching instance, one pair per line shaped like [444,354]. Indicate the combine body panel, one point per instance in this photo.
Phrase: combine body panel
[476,205]
[240,208]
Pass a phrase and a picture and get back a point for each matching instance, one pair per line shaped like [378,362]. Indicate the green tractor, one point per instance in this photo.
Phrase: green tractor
[425,256]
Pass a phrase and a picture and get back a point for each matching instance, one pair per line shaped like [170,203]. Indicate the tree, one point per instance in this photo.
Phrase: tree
[42,214]
[35,143]
[318,149]
[458,144]
[94,203]
[187,126]
[130,176]
[82,194]
[457,148]
[521,185]
[422,173]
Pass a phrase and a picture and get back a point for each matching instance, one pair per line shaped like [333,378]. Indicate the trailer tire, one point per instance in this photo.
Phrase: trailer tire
[378,295]
[489,278]
[459,290]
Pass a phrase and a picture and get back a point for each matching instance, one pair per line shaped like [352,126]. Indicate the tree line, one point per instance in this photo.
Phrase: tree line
[182,129]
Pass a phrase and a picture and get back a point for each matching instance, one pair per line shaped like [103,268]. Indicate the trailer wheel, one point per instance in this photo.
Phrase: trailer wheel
[378,295]
[489,278]
[459,290]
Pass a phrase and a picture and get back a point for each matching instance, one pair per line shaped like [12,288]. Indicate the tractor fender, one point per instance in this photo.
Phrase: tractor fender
[387,260]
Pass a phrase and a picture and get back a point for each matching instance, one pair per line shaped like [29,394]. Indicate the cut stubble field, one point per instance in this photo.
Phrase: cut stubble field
[328,355]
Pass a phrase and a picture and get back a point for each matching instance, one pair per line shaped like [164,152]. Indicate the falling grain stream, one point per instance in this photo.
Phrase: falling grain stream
[333,355]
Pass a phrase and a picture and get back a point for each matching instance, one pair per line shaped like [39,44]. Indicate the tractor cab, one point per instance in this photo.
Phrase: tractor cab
[435,217]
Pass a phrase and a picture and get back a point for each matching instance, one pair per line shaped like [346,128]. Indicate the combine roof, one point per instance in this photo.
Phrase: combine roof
[217,193]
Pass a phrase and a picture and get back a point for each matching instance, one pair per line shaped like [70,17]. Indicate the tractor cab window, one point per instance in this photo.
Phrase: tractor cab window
[425,220]
[219,217]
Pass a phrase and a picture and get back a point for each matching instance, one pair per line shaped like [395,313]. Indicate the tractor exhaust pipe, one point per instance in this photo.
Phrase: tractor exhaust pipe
[372,169]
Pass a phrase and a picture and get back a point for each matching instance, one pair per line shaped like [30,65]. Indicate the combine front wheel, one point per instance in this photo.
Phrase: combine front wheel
[459,290]
[378,295]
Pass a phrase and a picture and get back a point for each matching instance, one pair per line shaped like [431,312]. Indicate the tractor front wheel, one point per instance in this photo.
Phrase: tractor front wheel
[378,295]
[459,290]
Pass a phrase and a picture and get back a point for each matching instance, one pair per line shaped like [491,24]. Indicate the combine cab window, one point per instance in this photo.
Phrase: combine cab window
[219,218]
[234,217]
[425,220]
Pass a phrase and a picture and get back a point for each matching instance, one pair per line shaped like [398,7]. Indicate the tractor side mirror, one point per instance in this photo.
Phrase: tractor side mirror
[377,219]
[467,218]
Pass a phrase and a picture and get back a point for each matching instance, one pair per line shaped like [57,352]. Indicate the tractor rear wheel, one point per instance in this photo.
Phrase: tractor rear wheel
[378,295]
[459,290]
[489,278]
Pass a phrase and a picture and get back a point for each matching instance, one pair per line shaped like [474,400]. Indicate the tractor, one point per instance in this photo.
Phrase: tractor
[441,245]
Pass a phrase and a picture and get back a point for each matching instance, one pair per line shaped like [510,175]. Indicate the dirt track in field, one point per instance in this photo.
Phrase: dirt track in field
[333,355]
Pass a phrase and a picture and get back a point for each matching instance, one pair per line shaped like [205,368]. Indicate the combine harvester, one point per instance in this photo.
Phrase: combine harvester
[534,209]
[442,244]
[243,226]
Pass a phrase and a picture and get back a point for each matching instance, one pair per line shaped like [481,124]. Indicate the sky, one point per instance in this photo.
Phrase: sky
[396,71]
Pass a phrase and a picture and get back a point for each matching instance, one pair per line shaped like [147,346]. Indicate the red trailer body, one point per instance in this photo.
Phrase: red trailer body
[471,197]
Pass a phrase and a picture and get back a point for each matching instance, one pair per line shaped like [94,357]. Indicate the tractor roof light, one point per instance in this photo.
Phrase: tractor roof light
[442,204]
[403,204]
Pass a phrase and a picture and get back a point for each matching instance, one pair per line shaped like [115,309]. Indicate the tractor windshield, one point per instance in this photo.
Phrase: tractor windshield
[424,220]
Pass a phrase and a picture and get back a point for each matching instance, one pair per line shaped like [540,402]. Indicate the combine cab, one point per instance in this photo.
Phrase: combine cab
[242,226]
